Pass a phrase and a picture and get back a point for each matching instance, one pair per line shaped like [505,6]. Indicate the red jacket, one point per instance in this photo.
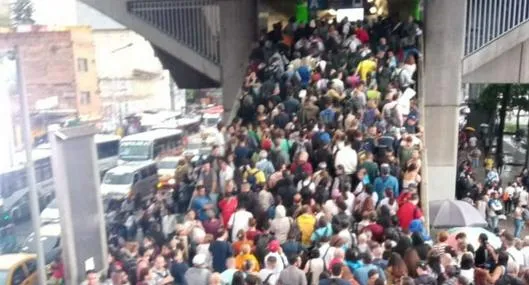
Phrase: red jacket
[362,35]
[307,167]
[407,213]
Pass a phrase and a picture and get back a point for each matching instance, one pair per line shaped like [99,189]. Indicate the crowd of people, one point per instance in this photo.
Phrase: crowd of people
[315,182]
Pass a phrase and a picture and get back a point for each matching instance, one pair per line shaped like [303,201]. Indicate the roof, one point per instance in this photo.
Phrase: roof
[8,260]
[171,158]
[99,138]
[130,167]
[152,135]
[50,230]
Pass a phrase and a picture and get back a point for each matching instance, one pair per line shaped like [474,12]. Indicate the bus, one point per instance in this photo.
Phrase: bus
[107,149]
[14,191]
[150,145]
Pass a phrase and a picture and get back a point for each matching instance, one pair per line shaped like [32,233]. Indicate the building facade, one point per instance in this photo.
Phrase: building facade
[59,69]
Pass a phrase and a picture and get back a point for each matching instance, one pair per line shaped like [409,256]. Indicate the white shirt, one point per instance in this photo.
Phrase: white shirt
[392,208]
[515,255]
[307,183]
[525,253]
[239,221]
[264,273]
[347,158]
[509,190]
[281,263]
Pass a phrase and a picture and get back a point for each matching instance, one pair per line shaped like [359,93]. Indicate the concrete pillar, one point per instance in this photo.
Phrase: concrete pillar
[238,30]
[444,42]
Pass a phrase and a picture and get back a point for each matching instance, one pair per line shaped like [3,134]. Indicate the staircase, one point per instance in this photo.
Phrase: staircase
[184,34]
[496,41]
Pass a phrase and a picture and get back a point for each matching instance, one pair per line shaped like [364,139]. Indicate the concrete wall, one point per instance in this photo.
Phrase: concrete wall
[239,24]
[48,65]
[86,80]
[443,52]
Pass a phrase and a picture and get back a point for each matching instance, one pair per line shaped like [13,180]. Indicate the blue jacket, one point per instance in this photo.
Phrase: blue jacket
[382,183]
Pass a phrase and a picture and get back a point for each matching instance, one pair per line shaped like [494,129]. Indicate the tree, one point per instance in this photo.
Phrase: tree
[22,13]
[508,97]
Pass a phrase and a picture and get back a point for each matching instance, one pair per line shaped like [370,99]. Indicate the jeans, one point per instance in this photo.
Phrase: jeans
[493,222]
[518,227]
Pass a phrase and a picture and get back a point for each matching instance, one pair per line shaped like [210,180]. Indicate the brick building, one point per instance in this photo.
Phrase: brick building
[59,69]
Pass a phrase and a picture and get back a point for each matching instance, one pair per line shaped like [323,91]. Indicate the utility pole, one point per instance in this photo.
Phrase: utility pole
[30,168]
[171,92]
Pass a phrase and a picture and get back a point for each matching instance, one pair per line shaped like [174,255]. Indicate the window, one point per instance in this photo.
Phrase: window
[82,64]
[31,266]
[85,98]
[107,149]
[18,276]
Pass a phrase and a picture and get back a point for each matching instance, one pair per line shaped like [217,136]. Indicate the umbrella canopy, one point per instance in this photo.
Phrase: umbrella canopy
[453,213]
[472,236]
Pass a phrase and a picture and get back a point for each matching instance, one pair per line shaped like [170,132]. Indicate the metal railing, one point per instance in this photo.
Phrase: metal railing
[194,23]
[488,20]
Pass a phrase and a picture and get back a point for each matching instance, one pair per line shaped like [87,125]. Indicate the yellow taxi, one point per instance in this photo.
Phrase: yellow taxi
[18,268]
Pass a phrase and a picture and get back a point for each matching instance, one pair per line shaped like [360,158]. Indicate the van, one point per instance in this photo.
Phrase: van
[138,180]
[19,268]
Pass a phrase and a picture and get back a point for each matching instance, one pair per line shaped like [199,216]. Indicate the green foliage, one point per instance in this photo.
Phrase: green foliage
[22,13]
[491,97]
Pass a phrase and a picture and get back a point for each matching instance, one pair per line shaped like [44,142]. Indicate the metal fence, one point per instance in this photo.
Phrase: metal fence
[194,23]
[488,20]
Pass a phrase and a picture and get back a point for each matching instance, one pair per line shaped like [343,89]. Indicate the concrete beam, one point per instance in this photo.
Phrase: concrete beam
[510,66]
[117,10]
[494,50]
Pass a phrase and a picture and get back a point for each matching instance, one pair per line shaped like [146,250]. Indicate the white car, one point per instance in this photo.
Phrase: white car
[50,214]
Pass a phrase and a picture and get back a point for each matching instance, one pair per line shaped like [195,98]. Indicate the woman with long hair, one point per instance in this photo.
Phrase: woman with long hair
[396,269]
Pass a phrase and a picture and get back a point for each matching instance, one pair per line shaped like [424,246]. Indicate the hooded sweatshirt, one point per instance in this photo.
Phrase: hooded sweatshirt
[280,225]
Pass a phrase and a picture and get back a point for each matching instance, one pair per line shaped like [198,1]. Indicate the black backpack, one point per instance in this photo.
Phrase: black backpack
[261,247]
[299,174]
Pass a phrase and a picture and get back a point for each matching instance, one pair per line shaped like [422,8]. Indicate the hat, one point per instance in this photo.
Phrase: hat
[412,117]
[199,259]
[263,154]
[273,246]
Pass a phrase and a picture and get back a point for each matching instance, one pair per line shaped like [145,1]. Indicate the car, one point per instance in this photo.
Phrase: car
[50,214]
[18,268]
[166,171]
[50,236]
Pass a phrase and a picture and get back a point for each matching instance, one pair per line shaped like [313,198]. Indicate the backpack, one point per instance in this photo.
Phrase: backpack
[321,194]
[299,174]
[391,116]
[252,179]
[261,247]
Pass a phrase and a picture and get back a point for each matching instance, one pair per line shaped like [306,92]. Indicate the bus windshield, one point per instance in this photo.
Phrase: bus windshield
[117,178]
[135,150]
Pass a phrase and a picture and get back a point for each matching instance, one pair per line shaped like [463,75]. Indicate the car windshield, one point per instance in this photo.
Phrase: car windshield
[135,150]
[168,164]
[48,244]
[3,276]
[117,178]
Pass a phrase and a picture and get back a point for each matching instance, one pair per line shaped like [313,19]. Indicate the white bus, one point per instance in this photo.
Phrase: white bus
[107,149]
[150,145]
[14,200]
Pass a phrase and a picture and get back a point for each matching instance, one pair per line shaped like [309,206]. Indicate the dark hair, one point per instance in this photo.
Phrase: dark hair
[252,280]
[336,269]
[503,258]
[238,278]
[292,259]
[372,272]
[467,261]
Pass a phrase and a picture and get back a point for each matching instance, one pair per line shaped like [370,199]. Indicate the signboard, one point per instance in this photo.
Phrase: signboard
[334,4]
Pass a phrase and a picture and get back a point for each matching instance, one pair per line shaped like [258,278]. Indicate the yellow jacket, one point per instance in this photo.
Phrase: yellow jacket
[242,258]
[260,178]
[306,224]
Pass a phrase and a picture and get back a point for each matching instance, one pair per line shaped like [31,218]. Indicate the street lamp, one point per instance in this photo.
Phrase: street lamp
[30,169]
